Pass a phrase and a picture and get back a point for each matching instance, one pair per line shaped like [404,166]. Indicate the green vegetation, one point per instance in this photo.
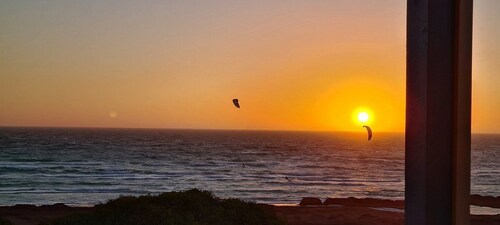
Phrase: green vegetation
[4,222]
[193,207]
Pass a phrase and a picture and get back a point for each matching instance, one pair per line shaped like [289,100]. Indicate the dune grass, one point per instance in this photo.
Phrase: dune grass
[193,207]
[4,222]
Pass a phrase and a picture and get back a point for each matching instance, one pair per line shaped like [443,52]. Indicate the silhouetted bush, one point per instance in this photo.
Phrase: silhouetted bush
[4,222]
[193,207]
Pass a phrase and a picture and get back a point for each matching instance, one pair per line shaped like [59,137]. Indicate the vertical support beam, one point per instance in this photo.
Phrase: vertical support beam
[438,108]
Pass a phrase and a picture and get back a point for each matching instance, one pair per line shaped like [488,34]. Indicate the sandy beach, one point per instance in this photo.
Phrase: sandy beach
[355,215]
[345,211]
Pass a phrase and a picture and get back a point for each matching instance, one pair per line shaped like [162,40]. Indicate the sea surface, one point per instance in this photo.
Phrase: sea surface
[90,166]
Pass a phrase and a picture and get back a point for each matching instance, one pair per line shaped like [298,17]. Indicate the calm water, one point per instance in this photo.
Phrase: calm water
[88,166]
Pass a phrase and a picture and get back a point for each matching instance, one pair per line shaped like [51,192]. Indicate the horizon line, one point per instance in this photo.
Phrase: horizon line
[207,129]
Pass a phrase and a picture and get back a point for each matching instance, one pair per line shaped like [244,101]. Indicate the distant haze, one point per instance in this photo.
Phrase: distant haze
[293,65]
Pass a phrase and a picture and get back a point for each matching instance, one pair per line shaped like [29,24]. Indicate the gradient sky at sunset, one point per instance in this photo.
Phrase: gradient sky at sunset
[299,65]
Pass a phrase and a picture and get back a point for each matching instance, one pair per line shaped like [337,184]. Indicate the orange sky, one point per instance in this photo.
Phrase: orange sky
[299,65]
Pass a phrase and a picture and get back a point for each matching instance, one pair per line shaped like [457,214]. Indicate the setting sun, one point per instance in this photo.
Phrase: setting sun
[363,117]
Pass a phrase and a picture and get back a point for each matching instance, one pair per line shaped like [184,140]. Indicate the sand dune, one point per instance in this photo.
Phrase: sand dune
[345,211]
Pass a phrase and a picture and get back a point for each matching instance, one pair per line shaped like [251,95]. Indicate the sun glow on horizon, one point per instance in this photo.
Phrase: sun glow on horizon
[363,117]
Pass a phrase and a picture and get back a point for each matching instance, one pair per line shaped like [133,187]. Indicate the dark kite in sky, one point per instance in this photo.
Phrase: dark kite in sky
[235,102]
[369,130]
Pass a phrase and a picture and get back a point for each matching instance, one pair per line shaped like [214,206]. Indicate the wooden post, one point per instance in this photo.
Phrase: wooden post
[438,108]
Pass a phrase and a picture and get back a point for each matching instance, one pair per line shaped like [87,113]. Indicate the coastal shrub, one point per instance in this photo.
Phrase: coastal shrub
[192,207]
[4,222]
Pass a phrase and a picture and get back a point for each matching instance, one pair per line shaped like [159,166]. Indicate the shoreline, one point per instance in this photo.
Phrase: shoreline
[476,200]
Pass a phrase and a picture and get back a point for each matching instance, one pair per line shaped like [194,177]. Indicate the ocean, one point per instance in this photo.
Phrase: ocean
[90,166]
